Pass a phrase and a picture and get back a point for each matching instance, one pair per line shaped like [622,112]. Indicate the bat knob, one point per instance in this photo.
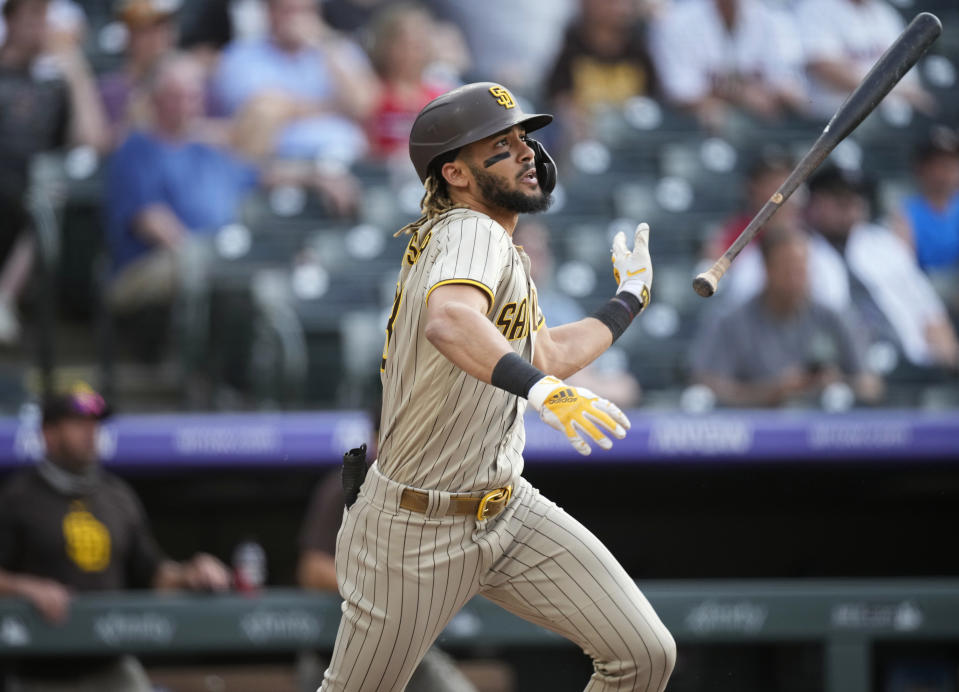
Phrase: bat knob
[704,285]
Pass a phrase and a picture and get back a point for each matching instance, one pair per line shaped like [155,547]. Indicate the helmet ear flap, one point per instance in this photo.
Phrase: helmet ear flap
[545,166]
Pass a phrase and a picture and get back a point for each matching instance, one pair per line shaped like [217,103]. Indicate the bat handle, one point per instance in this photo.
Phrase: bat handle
[705,284]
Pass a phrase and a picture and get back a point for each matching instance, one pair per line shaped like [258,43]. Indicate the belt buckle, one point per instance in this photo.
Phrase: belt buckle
[493,496]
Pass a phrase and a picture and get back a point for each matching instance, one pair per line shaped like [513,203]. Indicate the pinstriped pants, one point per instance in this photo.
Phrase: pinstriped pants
[403,576]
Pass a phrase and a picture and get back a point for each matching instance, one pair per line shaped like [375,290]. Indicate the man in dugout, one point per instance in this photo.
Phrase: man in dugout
[66,526]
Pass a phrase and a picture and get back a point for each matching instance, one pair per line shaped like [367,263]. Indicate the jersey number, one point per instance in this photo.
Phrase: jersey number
[413,251]
[397,300]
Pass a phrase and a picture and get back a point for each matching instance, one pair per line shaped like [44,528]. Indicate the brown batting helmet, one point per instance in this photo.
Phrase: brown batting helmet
[465,115]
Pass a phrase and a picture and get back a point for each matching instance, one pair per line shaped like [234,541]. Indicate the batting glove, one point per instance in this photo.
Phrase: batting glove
[634,269]
[576,412]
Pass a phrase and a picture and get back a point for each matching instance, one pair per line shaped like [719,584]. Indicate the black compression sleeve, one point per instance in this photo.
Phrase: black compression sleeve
[515,374]
[618,313]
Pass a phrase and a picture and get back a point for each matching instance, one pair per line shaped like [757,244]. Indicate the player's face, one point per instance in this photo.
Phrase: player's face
[504,169]
[27,26]
[72,442]
[835,213]
[178,97]
[939,175]
[291,21]
[786,272]
[149,43]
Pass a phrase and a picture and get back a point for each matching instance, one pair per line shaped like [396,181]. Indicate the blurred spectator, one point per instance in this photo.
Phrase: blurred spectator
[842,39]
[66,22]
[609,374]
[929,219]
[782,346]
[401,51]
[67,525]
[47,100]
[300,93]
[151,34]
[764,175]
[510,42]
[603,61]
[857,263]
[166,196]
[713,55]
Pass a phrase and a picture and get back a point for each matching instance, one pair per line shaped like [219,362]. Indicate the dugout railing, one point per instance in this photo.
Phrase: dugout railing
[846,617]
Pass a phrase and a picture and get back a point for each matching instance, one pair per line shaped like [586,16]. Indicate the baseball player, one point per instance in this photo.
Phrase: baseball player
[444,514]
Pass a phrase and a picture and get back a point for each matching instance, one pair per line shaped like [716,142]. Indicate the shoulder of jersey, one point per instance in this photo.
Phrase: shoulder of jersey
[482,220]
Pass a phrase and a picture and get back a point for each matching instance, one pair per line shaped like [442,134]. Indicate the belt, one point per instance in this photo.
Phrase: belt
[485,507]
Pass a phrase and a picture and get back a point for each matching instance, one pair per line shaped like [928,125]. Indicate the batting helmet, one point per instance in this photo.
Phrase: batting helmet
[467,114]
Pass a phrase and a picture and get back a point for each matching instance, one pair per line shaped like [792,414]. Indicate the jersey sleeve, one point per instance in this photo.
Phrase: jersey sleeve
[472,252]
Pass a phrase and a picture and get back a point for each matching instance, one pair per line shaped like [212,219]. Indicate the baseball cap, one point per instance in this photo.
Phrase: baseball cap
[834,179]
[142,13]
[80,402]
[465,115]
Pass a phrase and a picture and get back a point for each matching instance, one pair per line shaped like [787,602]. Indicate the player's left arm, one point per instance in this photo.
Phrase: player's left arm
[568,348]
[457,325]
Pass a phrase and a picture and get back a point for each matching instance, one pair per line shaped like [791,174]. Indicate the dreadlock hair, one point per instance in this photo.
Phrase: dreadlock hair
[436,200]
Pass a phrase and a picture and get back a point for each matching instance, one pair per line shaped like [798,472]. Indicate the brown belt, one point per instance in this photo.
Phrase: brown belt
[491,504]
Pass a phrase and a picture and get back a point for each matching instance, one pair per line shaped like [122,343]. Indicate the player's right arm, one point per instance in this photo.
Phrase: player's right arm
[48,596]
[456,324]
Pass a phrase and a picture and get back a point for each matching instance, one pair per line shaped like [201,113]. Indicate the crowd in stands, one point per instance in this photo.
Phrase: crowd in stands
[196,112]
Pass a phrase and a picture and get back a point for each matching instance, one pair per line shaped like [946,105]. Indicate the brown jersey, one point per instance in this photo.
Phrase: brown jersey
[441,428]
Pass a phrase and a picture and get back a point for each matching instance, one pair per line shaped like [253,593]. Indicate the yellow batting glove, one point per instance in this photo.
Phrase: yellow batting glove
[578,413]
[633,269]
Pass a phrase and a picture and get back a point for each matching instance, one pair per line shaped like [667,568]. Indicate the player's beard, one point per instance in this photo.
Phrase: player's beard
[497,194]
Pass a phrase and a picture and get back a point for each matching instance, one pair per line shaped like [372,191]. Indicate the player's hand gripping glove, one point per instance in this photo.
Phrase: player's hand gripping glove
[634,269]
[577,413]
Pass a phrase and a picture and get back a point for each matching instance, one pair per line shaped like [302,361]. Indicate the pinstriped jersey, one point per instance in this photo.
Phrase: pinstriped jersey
[440,427]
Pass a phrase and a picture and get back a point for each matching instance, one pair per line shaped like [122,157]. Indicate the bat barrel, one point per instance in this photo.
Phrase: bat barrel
[891,66]
[884,75]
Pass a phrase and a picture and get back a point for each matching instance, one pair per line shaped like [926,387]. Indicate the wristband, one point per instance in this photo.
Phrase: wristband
[515,374]
[618,312]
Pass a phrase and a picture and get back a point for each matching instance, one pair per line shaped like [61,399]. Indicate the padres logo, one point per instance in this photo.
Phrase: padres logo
[513,320]
[503,97]
[88,540]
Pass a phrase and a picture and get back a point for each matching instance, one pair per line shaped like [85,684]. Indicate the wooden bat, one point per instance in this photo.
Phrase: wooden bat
[884,75]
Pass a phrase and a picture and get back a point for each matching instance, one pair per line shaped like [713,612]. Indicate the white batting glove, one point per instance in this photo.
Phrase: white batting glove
[634,269]
[576,412]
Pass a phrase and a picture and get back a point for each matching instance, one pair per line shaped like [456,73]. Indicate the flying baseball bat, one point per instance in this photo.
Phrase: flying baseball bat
[883,76]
